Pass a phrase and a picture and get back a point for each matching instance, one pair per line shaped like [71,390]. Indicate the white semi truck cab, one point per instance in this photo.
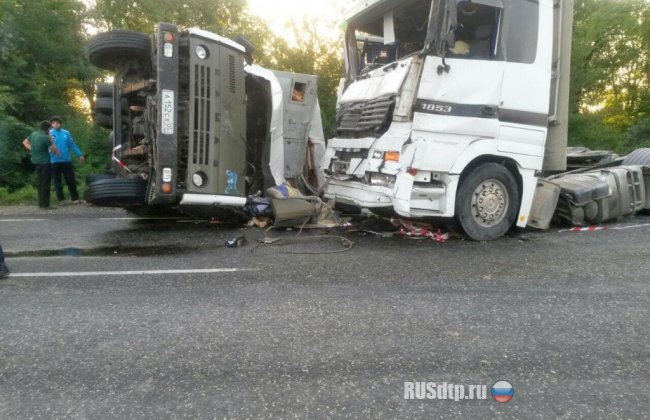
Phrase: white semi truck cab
[451,109]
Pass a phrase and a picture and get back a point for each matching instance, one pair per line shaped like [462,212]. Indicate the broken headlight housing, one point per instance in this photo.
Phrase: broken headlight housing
[381,180]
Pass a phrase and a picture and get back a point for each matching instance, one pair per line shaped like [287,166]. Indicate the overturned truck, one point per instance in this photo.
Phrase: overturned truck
[196,125]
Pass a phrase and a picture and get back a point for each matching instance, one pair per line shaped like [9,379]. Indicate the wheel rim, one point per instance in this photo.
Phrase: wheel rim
[490,203]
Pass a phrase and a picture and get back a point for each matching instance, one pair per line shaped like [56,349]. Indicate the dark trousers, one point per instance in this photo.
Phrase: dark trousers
[44,181]
[67,171]
[2,256]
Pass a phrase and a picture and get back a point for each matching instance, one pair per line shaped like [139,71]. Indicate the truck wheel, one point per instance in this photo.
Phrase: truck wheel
[487,202]
[104,90]
[119,49]
[104,106]
[103,120]
[639,157]
[92,178]
[118,192]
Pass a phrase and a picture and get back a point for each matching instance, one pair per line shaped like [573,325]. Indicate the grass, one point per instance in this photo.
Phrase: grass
[29,195]
[25,195]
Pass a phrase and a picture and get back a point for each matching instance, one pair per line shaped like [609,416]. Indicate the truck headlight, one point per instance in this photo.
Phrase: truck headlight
[201,52]
[167,175]
[199,179]
[381,180]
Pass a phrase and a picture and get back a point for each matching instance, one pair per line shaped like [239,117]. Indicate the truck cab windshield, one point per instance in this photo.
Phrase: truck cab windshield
[380,38]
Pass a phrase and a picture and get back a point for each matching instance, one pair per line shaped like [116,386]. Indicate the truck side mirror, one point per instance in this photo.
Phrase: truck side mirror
[248,46]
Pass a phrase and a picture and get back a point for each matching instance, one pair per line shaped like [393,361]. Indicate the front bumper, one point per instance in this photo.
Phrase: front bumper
[358,194]
[406,198]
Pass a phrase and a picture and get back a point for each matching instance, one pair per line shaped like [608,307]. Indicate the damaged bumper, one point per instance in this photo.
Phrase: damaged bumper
[406,197]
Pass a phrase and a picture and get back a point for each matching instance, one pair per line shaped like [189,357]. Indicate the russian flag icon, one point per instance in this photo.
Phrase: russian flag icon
[502,392]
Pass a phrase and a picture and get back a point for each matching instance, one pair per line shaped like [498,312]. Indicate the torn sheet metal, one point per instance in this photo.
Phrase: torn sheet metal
[276,161]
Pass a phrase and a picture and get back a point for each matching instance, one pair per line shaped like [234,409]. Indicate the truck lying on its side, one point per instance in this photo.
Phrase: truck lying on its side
[196,125]
[451,109]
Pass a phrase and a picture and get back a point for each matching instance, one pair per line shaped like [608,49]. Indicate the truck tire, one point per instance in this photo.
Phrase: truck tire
[104,106]
[103,120]
[104,90]
[118,192]
[639,157]
[119,49]
[487,202]
[92,178]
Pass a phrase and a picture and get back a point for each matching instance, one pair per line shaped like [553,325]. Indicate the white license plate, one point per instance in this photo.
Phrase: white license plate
[168,106]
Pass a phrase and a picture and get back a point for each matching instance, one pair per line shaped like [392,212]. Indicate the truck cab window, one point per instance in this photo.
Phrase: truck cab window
[410,22]
[477,32]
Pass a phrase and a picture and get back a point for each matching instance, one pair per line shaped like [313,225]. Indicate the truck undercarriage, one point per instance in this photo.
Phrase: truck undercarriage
[200,126]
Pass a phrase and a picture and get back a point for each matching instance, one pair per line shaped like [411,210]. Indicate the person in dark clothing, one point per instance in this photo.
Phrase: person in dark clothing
[4,271]
[40,144]
[62,163]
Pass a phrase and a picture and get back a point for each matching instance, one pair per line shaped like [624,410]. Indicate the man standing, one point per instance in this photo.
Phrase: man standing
[62,162]
[40,144]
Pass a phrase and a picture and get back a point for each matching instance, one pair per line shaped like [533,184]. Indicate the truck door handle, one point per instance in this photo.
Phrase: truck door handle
[488,111]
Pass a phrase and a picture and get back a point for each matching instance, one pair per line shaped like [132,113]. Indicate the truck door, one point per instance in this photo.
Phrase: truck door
[526,84]
[300,98]
[461,93]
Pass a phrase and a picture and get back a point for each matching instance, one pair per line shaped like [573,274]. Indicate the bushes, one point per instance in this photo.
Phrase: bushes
[15,166]
[591,131]
[639,135]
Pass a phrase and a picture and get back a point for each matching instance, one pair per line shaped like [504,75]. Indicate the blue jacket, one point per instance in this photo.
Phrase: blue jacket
[64,142]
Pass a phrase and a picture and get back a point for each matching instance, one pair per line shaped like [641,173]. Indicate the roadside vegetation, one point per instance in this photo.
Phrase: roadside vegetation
[44,70]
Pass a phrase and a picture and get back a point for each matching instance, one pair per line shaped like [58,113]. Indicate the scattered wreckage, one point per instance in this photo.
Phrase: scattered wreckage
[593,195]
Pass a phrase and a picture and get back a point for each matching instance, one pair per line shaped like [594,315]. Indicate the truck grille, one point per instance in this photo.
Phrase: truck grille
[202,120]
[366,117]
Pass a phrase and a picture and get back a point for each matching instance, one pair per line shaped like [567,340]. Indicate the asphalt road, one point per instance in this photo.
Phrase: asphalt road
[257,332]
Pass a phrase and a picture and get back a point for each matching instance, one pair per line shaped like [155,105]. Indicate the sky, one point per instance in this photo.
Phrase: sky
[327,15]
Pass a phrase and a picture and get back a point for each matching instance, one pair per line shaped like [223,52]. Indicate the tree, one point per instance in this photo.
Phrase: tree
[142,15]
[41,56]
[610,70]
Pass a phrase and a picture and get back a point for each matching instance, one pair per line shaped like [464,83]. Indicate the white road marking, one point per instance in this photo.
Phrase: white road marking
[629,227]
[144,218]
[133,273]
[22,220]
[102,218]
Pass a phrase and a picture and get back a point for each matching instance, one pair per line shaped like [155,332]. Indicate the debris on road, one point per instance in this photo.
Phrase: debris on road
[419,230]
[237,242]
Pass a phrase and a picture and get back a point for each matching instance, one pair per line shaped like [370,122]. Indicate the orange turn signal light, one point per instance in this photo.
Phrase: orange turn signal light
[391,156]
[166,188]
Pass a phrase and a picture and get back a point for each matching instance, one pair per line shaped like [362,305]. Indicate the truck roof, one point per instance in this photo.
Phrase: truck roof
[357,7]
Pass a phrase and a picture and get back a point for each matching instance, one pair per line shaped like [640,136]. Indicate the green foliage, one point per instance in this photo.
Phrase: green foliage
[590,131]
[143,15]
[639,135]
[41,57]
[15,167]
[610,69]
